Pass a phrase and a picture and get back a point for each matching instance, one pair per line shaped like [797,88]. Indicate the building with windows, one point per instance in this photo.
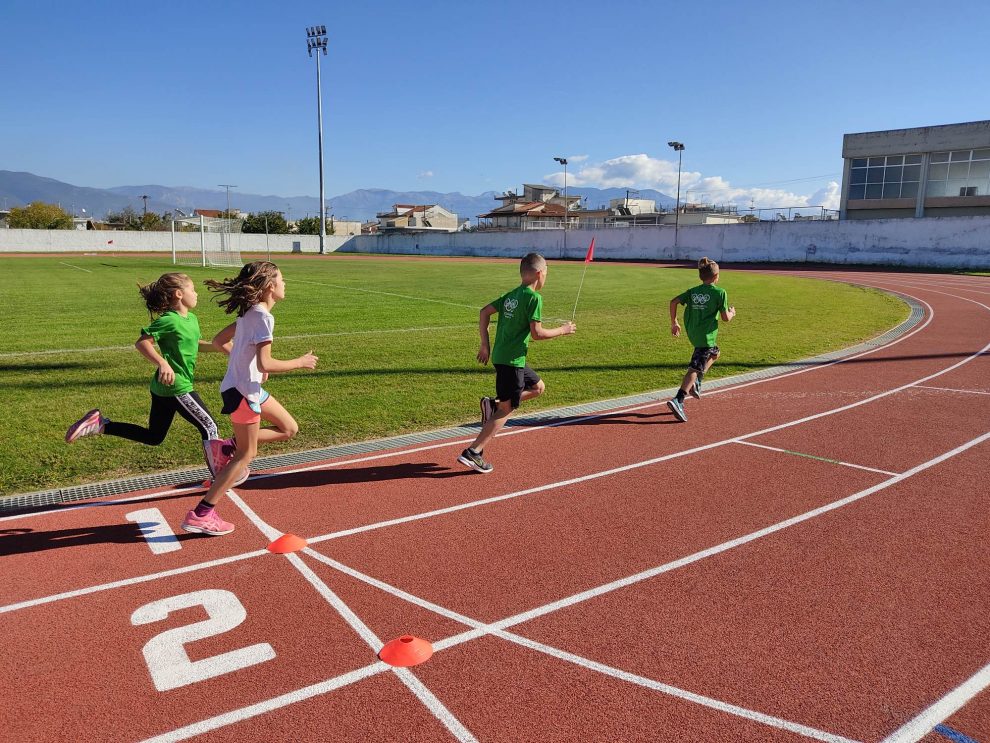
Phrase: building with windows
[931,171]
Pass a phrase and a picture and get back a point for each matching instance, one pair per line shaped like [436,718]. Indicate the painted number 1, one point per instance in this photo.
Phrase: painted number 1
[166,655]
[155,530]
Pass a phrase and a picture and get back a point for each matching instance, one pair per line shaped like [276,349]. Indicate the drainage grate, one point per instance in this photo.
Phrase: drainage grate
[43,498]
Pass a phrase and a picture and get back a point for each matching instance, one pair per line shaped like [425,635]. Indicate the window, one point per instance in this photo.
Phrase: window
[891,177]
[959,173]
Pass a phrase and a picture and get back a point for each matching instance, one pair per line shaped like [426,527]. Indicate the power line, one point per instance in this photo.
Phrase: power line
[793,180]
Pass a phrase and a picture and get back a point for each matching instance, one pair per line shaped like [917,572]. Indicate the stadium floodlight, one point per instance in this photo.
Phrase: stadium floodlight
[679,149]
[316,39]
[563,161]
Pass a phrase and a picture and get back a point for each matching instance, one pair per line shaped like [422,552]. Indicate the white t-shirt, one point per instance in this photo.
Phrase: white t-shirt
[256,326]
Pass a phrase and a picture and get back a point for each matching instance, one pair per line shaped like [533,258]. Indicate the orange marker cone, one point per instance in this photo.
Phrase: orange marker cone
[287,543]
[406,651]
[207,483]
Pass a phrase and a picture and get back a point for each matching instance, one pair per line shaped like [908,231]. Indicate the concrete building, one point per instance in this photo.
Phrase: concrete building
[931,171]
[417,218]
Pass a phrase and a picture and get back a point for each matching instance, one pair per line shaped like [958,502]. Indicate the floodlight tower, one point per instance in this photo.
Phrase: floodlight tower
[679,149]
[316,38]
[563,161]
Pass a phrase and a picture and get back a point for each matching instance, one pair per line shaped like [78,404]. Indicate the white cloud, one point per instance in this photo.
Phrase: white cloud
[642,171]
[425,174]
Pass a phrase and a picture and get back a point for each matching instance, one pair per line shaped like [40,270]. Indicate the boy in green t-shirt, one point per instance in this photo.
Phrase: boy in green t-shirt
[520,314]
[703,305]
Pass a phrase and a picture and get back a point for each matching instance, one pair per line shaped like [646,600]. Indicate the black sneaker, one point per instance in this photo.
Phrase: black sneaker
[488,406]
[696,389]
[473,460]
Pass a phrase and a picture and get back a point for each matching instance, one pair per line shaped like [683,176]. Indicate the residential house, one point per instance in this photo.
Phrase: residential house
[417,218]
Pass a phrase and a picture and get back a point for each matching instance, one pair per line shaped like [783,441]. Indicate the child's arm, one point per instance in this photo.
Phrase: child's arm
[146,346]
[484,318]
[675,327]
[727,315]
[270,365]
[538,333]
[223,341]
[208,347]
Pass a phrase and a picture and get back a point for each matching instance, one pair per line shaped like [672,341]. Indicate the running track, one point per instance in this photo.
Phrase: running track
[806,559]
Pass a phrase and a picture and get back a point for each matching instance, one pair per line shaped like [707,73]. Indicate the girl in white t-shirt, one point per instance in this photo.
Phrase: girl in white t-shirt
[252,295]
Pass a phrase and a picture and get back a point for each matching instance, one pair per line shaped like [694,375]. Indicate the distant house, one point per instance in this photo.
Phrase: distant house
[209,213]
[417,218]
[539,207]
[4,218]
[345,226]
[369,228]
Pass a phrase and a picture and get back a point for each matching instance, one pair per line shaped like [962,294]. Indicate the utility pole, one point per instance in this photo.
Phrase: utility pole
[563,161]
[316,38]
[679,149]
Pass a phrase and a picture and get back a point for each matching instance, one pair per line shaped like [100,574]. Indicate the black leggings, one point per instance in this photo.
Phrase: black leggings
[163,410]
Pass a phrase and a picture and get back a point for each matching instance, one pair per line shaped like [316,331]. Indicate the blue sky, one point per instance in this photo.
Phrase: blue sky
[471,97]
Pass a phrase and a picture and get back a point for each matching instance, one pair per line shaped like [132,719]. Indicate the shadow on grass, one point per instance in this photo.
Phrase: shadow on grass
[50,366]
[21,540]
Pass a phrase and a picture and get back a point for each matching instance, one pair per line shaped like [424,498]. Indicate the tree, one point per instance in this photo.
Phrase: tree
[311,226]
[276,223]
[39,216]
[126,218]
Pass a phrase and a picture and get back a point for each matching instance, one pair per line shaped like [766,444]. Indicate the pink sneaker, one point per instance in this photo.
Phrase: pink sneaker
[210,524]
[90,424]
[219,452]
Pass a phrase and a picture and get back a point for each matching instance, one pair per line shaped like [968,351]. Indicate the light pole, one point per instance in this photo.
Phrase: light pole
[679,149]
[228,186]
[226,222]
[316,38]
[145,197]
[563,161]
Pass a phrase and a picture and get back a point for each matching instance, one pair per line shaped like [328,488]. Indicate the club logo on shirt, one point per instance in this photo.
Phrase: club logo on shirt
[700,300]
[509,306]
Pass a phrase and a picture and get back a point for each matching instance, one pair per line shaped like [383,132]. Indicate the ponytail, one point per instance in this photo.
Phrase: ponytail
[159,295]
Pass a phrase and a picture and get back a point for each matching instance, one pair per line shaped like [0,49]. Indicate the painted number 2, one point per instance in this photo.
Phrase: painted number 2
[166,655]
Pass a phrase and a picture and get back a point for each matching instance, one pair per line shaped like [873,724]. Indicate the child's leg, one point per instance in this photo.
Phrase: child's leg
[191,407]
[494,424]
[285,425]
[247,449]
[159,421]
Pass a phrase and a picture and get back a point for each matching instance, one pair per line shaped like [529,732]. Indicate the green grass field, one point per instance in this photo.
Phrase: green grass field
[396,340]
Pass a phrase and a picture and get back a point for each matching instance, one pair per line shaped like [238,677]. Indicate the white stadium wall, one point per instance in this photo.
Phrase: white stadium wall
[944,242]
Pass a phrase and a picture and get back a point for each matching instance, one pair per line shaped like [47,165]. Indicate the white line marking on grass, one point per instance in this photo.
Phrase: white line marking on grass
[952,389]
[78,267]
[429,700]
[383,331]
[618,673]
[387,294]
[813,456]
[131,581]
[918,727]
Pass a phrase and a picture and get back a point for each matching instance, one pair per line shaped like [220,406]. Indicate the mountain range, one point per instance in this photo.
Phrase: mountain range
[19,189]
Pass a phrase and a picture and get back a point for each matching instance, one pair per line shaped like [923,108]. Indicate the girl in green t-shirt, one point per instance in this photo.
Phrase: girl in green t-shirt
[176,330]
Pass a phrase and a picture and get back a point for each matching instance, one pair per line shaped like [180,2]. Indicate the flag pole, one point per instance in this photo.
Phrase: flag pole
[587,259]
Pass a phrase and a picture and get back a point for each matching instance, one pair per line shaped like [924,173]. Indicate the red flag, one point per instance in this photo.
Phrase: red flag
[109,242]
[591,252]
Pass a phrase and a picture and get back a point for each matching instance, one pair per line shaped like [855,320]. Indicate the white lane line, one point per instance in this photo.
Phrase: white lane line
[77,267]
[269,705]
[813,456]
[429,700]
[952,389]
[131,581]
[485,629]
[383,331]
[918,727]
[635,465]
[499,627]
[387,294]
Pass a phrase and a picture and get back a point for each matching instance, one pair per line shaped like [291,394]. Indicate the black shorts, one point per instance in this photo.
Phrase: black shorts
[510,381]
[701,357]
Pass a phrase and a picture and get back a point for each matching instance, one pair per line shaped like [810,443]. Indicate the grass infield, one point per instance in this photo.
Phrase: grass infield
[396,338]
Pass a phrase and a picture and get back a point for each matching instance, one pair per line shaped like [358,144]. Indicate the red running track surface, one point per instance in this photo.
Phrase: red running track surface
[807,558]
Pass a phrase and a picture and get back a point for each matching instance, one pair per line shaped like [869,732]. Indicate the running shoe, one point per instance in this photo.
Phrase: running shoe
[219,452]
[696,389]
[210,524]
[677,408]
[474,460]
[488,405]
[90,424]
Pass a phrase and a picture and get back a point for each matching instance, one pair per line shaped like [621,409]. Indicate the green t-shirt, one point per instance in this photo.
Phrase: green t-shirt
[516,310]
[702,306]
[178,343]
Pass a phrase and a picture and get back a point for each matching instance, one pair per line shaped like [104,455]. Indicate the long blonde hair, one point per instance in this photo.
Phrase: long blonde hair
[246,289]
[159,296]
